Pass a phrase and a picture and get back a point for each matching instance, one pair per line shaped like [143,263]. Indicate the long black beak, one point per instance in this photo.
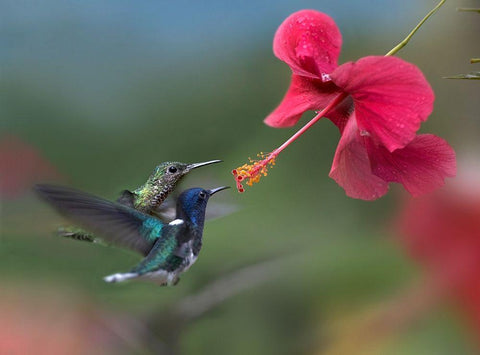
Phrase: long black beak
[213,191]
[197,165]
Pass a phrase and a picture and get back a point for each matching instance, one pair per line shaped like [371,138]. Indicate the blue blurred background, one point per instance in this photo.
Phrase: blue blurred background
[106,90]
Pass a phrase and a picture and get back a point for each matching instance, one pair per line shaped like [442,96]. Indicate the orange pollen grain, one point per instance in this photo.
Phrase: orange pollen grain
[253,171]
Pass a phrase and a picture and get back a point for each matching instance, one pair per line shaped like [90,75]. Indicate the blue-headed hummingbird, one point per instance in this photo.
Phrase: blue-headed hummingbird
[169,249]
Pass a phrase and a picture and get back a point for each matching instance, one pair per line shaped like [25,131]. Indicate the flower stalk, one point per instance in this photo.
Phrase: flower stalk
[251,173]
[417,27]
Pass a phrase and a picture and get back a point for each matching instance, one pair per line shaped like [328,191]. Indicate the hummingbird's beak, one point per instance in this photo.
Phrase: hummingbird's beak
[197,165]
[213,191]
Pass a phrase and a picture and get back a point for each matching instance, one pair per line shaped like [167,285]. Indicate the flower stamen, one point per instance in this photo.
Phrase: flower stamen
[254,170]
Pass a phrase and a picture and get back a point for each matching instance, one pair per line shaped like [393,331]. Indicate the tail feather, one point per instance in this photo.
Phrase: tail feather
[119,277]
[160,277]
[76,234]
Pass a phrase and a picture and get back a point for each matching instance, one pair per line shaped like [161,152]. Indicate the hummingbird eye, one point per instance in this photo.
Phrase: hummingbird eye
[202,195]
[172,169]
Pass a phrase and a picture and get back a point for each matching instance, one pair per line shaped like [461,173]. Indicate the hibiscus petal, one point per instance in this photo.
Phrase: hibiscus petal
[351,166]
[309,42]
[391,97]
[421,166]
[303,94]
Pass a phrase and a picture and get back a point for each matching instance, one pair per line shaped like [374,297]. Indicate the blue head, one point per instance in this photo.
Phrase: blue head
[192,203]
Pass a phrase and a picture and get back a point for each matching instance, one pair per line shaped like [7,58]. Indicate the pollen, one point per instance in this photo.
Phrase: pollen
[253,171]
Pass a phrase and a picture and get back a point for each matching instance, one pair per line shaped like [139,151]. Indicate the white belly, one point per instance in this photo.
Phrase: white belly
[160,277]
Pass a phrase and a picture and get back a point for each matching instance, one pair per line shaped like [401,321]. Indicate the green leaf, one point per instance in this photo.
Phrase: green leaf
[463,9]
[475,75]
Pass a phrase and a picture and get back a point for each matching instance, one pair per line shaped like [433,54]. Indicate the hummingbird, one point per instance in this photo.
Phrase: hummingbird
[148,197]
[161,182]
[169,249]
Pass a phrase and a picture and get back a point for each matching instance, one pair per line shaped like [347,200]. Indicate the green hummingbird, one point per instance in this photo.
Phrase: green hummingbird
[148,197]
[169,249]
[161,182]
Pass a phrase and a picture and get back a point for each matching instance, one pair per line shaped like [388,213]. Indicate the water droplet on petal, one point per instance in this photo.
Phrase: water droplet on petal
[326,77]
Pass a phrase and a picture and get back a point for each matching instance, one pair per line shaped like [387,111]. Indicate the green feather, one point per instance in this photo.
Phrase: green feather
[163,254]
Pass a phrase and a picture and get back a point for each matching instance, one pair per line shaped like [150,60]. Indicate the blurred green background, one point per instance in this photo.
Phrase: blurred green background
[107,90]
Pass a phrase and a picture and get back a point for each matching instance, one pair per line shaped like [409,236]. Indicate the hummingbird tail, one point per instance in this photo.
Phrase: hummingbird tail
[75,233]
[120,277]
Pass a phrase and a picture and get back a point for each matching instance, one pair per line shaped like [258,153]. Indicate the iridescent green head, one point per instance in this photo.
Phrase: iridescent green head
[168,173]
[161,182]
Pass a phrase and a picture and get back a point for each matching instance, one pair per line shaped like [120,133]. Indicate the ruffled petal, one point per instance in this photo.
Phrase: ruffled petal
[309,42]
[391,98]
[420,167]
[303,94]
[351,166]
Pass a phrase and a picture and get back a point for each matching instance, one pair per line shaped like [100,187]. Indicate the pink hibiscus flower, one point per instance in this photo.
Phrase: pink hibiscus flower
[377,102]
[441,231]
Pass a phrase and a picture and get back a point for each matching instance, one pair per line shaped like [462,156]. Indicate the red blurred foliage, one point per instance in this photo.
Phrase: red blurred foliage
[22,165]
[32,323]
[442,232]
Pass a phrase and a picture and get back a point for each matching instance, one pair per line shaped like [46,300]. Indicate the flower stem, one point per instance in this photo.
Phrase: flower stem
[410,35]
[338,99]
[253,171]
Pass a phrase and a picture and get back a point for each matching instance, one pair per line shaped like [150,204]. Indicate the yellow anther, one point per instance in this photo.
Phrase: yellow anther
[251,173]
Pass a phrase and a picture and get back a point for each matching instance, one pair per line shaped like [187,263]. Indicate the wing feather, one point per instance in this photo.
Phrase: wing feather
[116,224]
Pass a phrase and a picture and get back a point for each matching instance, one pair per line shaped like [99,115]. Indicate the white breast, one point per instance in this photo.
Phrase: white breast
[176,222]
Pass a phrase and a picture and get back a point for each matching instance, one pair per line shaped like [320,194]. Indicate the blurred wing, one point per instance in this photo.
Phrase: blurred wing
[116,224]
[219,209]
[127,198]
[167,211]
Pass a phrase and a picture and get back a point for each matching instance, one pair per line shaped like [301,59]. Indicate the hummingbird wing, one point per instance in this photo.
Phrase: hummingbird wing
[167,211]
[116,224]
[126,198]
